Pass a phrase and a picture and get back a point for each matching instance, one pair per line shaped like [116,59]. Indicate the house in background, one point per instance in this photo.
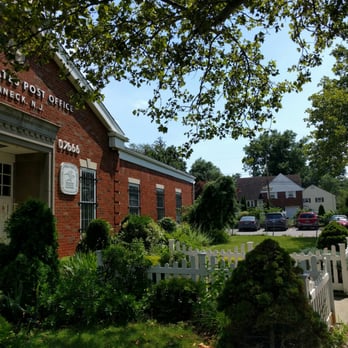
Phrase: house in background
[314,196]
[283,191]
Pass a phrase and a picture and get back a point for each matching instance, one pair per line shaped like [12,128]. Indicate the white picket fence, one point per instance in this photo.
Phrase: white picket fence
[198,264]
[324,271]
[337,265]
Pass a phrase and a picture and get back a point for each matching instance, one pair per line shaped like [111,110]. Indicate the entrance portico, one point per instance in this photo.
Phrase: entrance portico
[26,161]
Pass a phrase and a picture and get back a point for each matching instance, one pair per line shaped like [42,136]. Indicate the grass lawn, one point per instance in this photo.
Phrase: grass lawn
[148,334]
[290,244]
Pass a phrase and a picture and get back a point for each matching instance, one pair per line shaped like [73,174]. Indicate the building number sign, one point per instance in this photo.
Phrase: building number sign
[67,146]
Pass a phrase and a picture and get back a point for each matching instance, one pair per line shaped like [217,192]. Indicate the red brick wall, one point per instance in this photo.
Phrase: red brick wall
[148,180]
[80,127]
[83,128]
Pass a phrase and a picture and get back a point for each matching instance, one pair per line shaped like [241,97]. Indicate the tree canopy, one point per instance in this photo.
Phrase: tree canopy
[273,153]
[204,170]
[166,43]
[329,116]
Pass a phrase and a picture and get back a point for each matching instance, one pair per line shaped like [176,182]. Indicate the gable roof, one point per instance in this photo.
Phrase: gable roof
[316,189]
[252,187]
[282,183]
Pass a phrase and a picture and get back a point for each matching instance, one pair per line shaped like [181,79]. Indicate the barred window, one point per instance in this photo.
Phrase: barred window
[88,203]
[160,203]
[178,205]
[134,198]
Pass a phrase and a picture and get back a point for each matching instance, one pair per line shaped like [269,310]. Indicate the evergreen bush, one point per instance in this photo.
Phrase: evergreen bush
[98,235]
[32,265]
[332,234]
[214,210]
[168,224]
[173,300]
[266,305]
[321,211]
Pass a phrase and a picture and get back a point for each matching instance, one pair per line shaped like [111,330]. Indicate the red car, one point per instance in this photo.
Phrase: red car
[341,219]
[308,220]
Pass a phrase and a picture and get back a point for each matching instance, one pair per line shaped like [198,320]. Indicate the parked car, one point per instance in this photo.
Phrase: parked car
[307,220]
[248,223]
[276,221]
[341,219]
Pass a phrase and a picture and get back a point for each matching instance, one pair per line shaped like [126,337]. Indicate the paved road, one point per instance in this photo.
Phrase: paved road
[292,231]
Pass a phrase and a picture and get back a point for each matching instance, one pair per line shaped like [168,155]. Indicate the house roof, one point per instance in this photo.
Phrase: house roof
[251,187]
[315,189]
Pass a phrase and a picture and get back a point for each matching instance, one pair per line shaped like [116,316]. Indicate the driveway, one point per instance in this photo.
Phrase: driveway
[291,231]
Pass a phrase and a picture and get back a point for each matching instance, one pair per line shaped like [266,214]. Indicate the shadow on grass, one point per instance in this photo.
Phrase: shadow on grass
[133,335]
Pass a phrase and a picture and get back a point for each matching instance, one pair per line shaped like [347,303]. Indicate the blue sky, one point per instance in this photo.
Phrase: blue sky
[121,99]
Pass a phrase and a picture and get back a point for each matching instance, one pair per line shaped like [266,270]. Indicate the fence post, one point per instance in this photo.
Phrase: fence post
[342,250]
[171,245]
[327,268]
[99,258]
[250,246]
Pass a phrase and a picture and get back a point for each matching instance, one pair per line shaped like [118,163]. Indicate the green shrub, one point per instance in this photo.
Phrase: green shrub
[125,268]
[98,235]
[168,224]
[83,298]
[173,300]
[142,228]
[6,332]
[23,282]
[32,232]
[191,237]
[321,211]
[214,210]
[32,265]
[266,305]
[207,320]
[169,257]
[332,234]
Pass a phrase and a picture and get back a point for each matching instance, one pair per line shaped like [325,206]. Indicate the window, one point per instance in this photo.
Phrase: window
[273,195]
[319,199]
[178,205]
[134,198]
[251,204]
[160,202]
[5,179]
[88,203]
[290,194]
[306,200]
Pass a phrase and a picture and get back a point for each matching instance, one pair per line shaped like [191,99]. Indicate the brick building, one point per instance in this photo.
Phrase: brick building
[75,160]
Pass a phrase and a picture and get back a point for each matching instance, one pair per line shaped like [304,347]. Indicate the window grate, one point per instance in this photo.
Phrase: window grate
[88,202]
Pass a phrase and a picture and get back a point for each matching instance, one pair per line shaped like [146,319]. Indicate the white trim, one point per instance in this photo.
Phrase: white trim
[133,181]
